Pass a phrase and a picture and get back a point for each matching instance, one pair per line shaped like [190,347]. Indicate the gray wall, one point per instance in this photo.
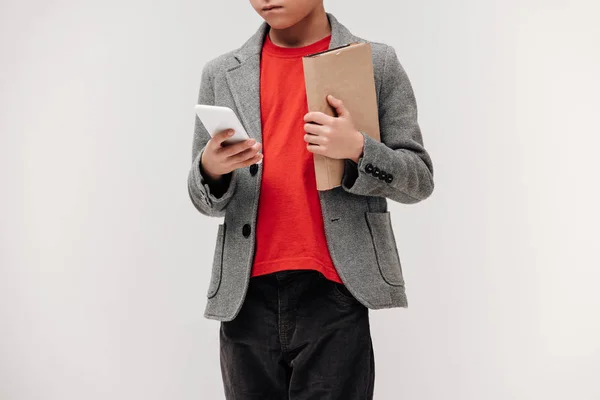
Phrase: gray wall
[104,262]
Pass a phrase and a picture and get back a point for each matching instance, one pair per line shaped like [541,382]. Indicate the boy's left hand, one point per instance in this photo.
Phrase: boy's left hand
[333,137]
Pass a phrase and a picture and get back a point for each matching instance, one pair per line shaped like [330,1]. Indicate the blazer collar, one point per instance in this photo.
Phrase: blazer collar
[340,35]
[244,79]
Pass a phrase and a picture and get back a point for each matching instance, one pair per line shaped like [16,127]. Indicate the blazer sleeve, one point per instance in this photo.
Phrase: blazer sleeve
[209,198]
[398,167]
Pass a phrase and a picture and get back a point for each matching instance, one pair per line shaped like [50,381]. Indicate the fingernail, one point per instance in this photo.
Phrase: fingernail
[230,132]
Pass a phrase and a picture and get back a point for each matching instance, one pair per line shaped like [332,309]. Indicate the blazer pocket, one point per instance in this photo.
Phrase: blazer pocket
[217,265]
[384,244]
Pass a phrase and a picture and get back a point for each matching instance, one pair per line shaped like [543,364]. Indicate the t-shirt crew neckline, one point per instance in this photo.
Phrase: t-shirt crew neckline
[284,52]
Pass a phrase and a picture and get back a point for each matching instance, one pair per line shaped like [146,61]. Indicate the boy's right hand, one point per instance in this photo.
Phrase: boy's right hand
[218,160]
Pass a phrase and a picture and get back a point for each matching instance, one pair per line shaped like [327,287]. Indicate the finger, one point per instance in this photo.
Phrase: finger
[316,139]
[318,117]
[315,149]
[244,155]
[222,136]
[338,104]
[235,148]
[246,163]
[316,129]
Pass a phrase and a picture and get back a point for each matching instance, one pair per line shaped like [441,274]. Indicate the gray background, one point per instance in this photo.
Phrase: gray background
[104,262]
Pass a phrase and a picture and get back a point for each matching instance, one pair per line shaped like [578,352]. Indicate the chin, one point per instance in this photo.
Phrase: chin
[279,21]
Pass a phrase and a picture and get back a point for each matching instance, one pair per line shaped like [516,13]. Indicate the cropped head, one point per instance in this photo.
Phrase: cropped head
[281,14]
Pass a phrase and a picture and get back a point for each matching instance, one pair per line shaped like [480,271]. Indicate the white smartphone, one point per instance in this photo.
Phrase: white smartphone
[218,118]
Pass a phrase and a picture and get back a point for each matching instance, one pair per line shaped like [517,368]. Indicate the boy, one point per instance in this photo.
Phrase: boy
[295,270]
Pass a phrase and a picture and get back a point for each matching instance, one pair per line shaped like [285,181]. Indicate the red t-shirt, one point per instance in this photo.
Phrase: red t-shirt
[290,233]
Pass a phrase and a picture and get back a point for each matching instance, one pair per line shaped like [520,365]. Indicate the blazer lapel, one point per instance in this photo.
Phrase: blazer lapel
[244,79]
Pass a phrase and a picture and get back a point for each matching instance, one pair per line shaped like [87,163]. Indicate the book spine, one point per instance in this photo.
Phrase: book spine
[320,162]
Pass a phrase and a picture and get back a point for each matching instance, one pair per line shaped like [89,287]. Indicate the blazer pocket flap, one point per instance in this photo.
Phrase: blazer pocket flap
[217,265]
[386,250]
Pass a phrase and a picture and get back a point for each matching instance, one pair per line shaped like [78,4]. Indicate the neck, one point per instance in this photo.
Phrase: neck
[313,27]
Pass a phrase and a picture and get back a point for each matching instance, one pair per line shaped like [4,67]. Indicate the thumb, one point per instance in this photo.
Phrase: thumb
[222,136]
[338,105]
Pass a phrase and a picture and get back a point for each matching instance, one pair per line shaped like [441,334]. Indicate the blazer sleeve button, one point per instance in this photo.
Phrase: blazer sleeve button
[382,175]
[389,178]
[369,167]
[253,169]
[376,172]
[246,230]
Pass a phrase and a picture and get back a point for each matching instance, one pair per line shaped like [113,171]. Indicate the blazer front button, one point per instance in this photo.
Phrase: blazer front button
[253,169]
[389,178]
[246,230]
[369,167]
[382,175]
[376,172]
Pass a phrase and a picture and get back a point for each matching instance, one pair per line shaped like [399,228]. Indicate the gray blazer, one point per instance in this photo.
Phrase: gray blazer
[357,222]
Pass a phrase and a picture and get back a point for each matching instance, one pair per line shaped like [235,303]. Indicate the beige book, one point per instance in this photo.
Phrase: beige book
[346,72]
